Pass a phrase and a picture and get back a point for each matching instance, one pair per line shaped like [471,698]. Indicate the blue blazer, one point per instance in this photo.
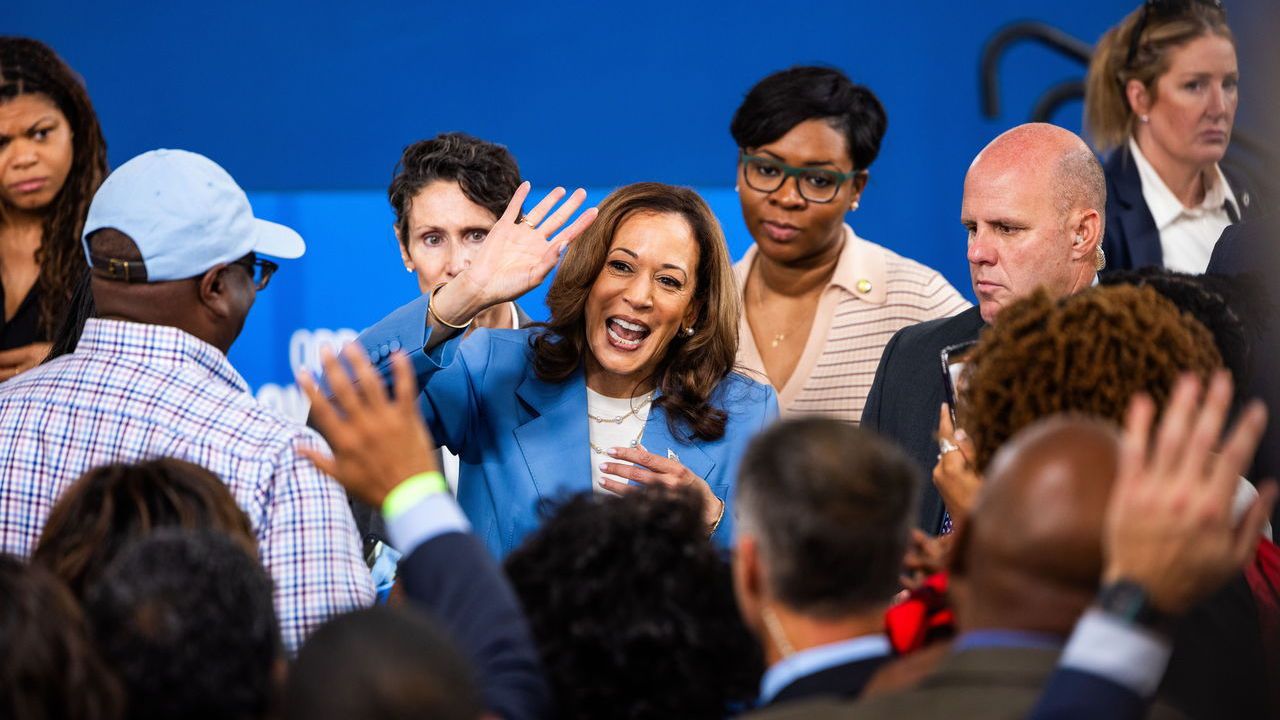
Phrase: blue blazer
[522,441]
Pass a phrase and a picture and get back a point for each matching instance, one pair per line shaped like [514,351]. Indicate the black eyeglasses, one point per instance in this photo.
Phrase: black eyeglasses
[260,271]
[815,184]
[1163,8]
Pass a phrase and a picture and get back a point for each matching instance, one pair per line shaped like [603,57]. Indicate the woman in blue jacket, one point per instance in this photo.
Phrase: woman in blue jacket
[630,384]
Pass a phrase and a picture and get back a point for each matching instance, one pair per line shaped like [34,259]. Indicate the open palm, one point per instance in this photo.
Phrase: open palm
[517,256]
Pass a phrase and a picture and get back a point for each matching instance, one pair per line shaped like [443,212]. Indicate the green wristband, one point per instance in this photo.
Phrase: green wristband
[413,489]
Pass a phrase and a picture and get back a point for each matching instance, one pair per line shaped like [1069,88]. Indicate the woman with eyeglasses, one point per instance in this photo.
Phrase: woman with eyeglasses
[1161,97]
[820,303]
[52,159]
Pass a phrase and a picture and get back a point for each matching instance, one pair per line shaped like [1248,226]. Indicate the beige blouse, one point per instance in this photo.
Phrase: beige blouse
[873,293]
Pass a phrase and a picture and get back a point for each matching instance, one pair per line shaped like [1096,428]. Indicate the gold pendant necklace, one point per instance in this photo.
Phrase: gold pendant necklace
[777,338]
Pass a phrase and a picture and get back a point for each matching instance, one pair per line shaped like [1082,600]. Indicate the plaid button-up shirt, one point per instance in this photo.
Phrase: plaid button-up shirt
[132,392]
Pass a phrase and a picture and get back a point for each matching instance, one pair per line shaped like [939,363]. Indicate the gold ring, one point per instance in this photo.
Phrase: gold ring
[525,221]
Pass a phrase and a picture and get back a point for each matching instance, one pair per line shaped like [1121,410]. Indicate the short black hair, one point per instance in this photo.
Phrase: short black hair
[486,172]
[380,663]
[831,506]
[185,618]
[633,610]
[787,98]
[49,669]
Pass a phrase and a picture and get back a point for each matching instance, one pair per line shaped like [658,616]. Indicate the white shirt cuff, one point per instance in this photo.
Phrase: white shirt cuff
[1113,649]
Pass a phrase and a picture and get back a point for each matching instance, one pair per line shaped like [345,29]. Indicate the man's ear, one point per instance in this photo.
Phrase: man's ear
[748,580]
[1086,234]
[214,291]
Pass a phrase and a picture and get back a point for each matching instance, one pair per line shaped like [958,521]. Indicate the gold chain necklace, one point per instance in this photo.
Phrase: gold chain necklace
[618,420]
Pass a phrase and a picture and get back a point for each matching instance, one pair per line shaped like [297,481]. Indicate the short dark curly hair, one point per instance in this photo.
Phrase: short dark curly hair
[486,172]
[1211,299]
[789,97]
[186,619]
[1087,353]
[633,610]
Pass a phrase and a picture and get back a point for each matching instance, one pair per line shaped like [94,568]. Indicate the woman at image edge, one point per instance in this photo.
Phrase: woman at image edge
[629,384]
[1161,95]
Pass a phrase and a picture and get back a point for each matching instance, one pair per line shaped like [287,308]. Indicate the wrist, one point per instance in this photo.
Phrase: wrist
[456,302]
[412,490]
[1129,601]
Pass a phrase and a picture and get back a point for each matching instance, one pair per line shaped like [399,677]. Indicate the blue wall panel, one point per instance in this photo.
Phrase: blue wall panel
[309,103]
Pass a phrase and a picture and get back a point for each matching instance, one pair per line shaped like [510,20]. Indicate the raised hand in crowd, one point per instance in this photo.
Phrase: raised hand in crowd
[954,475]
[517,255]
[1169,525]
[377,440]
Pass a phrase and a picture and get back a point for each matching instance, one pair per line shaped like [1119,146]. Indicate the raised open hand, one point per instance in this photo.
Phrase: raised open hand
[516,256]
[1169,523]
[378,439]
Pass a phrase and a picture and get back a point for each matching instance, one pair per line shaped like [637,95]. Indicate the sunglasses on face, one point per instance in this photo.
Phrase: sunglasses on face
[260,271]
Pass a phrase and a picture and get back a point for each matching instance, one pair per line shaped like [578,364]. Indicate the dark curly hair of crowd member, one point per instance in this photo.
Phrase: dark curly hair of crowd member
[185,617]
[112,505]
[49,669]
[633,610]
[789,97]
[1087,353]
[30,67]
[1208,298]
[486,172]
[381,663]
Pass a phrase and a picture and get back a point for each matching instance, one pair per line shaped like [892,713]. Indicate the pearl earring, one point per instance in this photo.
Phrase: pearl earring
[1144,119]
[687,332]
[408,268]
[853,206]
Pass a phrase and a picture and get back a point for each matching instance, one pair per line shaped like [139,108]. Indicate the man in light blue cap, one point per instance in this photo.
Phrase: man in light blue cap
[174,250]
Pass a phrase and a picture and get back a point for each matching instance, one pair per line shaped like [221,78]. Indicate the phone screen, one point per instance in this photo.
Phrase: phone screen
[953,359]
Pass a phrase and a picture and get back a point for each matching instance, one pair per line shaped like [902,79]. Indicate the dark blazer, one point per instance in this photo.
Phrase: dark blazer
[907,392]
[455,579]
[1252,249]
[986,683]
[1131,239]
[841,681]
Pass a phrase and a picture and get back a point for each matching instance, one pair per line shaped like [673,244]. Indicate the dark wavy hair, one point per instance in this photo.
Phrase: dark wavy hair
[486,172]
[789,97]
[185,617]
[110,506]
[29,67]
[1088,353]
[693,366]
[633,610]
[49,669]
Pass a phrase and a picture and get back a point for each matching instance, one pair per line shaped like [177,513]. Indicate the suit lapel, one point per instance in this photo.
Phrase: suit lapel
[554,438]
[1139,227]
[659,440]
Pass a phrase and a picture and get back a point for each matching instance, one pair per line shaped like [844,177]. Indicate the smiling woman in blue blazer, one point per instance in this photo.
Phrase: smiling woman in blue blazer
[630,384]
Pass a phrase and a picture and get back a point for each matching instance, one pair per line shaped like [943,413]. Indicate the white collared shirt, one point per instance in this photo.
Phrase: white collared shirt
[1187,235]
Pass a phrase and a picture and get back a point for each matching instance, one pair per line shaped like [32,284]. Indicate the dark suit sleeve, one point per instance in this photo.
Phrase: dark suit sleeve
[455,579]
[1072,694]
[871,411]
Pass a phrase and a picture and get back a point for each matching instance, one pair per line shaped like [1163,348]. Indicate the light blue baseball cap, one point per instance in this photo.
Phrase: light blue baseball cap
[186,214]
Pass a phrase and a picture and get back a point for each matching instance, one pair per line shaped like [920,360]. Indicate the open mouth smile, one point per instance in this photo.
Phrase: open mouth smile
[626,335]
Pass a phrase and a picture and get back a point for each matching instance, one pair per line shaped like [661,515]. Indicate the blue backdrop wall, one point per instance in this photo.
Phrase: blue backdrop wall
[308,105]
